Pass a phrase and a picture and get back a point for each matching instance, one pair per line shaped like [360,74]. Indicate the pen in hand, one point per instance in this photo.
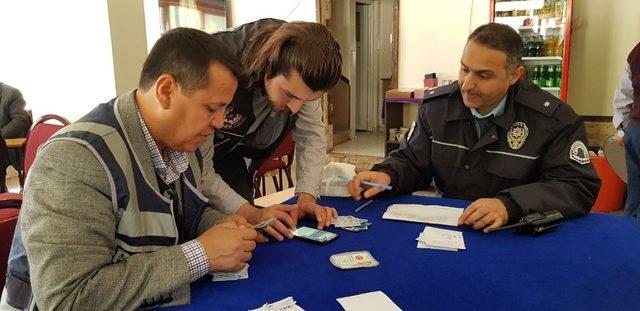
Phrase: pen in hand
[368,183]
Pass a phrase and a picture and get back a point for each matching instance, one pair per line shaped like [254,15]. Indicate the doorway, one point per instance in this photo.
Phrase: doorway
[365,31]
[364,66]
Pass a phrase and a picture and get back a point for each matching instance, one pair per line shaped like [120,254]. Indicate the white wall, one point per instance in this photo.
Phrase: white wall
[604,32]
[245,11]
[129,41]
[432,36]
[58,54]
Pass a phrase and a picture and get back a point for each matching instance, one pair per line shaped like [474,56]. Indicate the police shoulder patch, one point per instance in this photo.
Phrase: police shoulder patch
[439,91]
[579,152]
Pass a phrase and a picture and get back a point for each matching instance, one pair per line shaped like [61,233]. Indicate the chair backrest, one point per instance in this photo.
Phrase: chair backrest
[286,148]
[8,221]
[38,134]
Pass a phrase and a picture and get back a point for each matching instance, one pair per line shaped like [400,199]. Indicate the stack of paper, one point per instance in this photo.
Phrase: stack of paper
[369,301]
[287,304]
[430,214]
[351,223]
[232,276]
[434,238]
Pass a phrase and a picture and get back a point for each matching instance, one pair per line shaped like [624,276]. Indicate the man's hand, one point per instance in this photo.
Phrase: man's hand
[228,246]
[237,219]
[355,185]
[620,140]
[281,212]
[307,206]
[485,212]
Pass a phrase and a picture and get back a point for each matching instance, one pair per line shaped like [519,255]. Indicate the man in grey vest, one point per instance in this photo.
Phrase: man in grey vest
[113,216]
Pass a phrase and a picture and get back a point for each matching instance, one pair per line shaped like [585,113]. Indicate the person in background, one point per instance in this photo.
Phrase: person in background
[287,66]
[4,164]
[505,144]
[626,120]
[113,217]
[14,123]
[14,120]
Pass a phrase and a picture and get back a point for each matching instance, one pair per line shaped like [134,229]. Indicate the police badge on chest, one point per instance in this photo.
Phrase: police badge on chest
[517,135]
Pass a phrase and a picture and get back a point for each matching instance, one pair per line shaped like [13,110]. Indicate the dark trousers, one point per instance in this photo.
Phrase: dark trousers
[632,153]
[4,163]
[234,172]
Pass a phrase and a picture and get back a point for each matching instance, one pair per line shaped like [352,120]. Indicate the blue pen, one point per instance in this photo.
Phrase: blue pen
[368,183]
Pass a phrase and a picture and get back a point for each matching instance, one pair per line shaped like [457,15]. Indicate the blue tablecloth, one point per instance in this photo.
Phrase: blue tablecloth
[590,263]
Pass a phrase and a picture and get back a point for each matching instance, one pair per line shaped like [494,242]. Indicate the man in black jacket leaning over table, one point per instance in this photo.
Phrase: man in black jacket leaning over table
[490,137]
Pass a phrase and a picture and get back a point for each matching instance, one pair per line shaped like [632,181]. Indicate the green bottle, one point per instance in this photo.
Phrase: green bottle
[550,81]
[558,77]
[536,75]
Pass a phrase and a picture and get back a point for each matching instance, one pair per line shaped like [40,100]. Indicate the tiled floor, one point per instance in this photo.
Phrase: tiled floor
[365,143]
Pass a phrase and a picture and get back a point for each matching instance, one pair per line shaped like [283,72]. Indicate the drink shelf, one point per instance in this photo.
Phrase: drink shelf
[558,58]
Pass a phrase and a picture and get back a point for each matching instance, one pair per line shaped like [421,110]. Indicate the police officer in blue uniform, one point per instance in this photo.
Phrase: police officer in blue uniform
[510,147]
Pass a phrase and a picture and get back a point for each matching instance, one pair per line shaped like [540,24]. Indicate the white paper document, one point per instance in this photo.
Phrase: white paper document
[441,239]
[287,304]
[232,276]
[378,301]
[430,214]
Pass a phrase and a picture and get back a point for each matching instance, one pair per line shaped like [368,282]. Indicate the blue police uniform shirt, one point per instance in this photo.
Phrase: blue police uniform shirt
[498,110]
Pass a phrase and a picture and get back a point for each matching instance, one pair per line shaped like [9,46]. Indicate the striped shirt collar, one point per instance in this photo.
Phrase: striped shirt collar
[170,164]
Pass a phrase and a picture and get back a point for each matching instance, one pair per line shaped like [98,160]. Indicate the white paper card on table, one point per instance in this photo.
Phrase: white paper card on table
[231,276]
[423,244]
[442,238]
[286,304]
[430,214]
[377,300]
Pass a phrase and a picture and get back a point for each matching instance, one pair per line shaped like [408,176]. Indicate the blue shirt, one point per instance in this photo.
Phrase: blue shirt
[498,110]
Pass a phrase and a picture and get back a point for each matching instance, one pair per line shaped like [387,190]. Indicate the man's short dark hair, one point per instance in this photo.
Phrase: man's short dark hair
[186,54]
[502,38]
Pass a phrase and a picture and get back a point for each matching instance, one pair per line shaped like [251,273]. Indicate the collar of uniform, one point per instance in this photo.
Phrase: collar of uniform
[456,110]
[497,110]
[530,95]
[505,120]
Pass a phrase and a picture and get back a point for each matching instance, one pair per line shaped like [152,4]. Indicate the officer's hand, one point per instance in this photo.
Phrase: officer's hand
[355,185]
[228,246]
[307,206]
[620,140]
[281,212]
[485,213]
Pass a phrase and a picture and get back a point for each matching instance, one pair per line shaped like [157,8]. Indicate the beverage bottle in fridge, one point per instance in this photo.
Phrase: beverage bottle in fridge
[536,75]
[550,76]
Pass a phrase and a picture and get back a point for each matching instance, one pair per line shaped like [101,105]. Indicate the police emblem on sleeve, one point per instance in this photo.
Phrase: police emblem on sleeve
[579,152]
[517,135]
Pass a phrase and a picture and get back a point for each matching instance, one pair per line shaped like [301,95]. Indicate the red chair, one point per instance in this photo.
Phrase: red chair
[8,221]
[37,135]
[281,160]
